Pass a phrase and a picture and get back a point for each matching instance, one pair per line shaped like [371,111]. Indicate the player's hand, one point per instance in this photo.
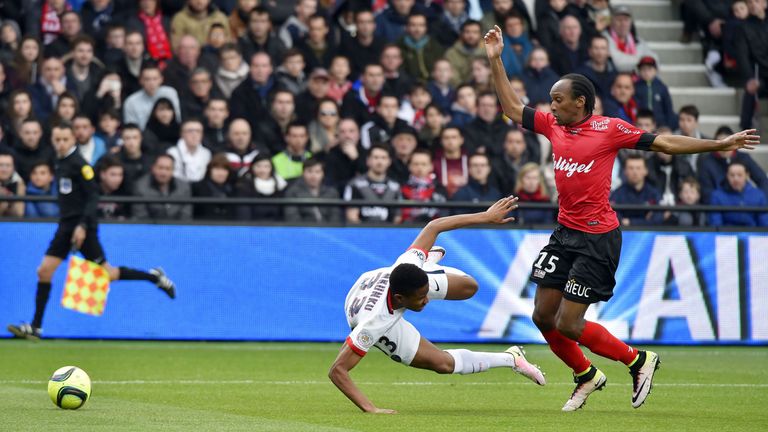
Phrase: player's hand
[78,237]
[746,139]
[497,213]
[494,43]
[382,411]
[752,86]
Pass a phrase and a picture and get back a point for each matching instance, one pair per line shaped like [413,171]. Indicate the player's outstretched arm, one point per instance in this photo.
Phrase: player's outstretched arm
[339,375]
[678,144]
[510,103]
[498,213]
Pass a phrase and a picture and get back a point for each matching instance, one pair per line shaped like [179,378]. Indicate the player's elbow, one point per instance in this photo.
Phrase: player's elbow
[337,372]
[660,144]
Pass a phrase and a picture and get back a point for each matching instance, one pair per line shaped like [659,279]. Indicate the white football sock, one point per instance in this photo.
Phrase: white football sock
[469,362]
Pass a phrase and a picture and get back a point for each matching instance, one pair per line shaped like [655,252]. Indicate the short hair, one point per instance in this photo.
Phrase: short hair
[646,113]
[634,156]
[149,65]
[217,99]
[82,39]
[312,162]
[368,65]
[405,279]
[582,86]
[690,181]
[740,163]
[377,146]
[108,161]
[419,85]
[70,12]
[296,124]
[219,160]
[598,36]
[40,163]
[420,151]
[64,125]
[259,10]
[318,16]
[217,25]
[690,110]
[163,155]
[482,155]
[416,13]
[230,46]
[32,120]
[389,95]
[110,112]
[724,130]
[293,52]
[470,22]
[82,116]
[451,127]
[130,127]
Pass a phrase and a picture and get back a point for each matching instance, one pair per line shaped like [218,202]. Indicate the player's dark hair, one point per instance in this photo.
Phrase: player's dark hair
[690,110]
[582,86]
[406,279]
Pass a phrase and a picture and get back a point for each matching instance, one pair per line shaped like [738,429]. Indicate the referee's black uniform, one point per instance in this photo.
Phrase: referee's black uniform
[78,206]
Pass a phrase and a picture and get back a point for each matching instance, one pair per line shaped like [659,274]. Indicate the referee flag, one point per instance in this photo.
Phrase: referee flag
[86,288]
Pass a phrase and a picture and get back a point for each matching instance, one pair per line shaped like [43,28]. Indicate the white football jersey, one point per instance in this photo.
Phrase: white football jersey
[368,307]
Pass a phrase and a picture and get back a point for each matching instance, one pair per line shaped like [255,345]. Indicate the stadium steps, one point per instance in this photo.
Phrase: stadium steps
[651,10]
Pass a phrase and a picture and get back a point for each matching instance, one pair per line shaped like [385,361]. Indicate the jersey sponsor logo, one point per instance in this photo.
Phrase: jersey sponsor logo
[539,274]
[419,254]
[570,166]
[600,125]
[576,289]
[626,130]
[87,172]
[365,340]
[65,185]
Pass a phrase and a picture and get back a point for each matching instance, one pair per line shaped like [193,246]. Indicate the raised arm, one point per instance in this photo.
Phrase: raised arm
[496,214]
[510,103]
[678,144]
[339,375]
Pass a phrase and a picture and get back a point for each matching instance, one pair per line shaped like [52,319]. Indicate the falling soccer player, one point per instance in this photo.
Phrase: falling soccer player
[78,200]
[578,265]
[377,301]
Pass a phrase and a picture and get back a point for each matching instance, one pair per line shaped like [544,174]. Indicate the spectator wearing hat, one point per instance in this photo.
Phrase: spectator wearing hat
[404,142]
[318,85]
[626,49]
[653,94]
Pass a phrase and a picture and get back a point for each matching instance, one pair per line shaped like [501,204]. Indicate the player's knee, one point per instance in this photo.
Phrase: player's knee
[44,273]
[444,365]
[544,322]
[568,328]
[470,287]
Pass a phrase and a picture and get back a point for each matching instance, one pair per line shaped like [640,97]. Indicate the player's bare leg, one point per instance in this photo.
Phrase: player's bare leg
[462,361]
[45,272]
[460,287]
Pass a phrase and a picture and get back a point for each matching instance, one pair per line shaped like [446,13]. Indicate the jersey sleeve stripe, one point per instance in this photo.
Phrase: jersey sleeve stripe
[645,141]
[529,114]
[354,348]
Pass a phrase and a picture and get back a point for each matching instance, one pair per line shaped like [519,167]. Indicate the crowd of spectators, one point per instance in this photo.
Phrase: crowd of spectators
[354,99]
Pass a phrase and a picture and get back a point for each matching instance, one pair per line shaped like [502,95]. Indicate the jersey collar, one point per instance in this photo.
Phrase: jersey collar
[580,122]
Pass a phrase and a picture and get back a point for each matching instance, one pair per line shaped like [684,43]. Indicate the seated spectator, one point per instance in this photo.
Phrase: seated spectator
[752,55]
[289,163]
[621,103]
[151,21]
[731,28]
[11,184]
[507,166]
[317,48]
[260,38]
[372,186]
[646,120]
[71,27]
[468,48]
[242,152]
[443,93]
[106,96]
[449,25]
[501,9]
[569,51]
[108,129]
[451,165]
[19,110]
[599,68]
[435,121]
[396,80]
[464,109]
[84,70]
[712,168]
[138,106]
[215,184]
[688,122]
[296,27]
[530,188]
[323,129]
[132,61]
[538,77]
[50,19]
[361,104]
[666,173]
[201,91]
[486,132]
[215,118]
[310,185]
[26,62]
[135,161]
[421,186]
[478,188]
[637,190]
[231,70]
[290,74]
[379,129]
[317,89]
[41,184]
[191,156]
[346,159]
[162,130]
[51,84]
[653,94]
[196,19]
[65,111]
[625,48]
[549,22]
[482,80]
[111,179]
[420,51]
[91,147]
[709,16]
[365,47]
[260,182]
[269,132]
[688,194]
[160,183]
[404,143]
[737,191]
[339,83]
[517,44]
[31,149]
[391,23]
[217,38]
[412,109]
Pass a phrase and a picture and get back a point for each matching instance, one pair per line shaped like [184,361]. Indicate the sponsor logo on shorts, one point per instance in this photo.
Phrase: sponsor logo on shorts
[364,339]
[576,289]
[539,273]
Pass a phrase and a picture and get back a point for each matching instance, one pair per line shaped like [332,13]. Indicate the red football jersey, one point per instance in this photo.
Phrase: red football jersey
[583,155]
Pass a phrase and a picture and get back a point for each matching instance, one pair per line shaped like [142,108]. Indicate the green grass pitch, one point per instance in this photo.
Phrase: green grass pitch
[168,386]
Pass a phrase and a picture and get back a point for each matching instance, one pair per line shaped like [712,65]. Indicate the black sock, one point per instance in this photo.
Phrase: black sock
[639,362]
[133,274]
[41,300]
[587,376]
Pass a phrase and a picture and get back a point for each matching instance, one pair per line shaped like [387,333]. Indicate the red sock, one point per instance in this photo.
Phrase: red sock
[601,342]
[567,350]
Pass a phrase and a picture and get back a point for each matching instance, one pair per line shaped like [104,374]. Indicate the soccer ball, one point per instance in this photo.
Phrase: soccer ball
[69,387]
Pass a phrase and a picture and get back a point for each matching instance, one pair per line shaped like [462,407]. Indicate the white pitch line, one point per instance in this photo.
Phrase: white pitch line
[397,383]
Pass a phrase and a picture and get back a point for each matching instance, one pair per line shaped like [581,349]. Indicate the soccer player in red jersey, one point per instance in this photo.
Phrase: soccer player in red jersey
[578,265]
